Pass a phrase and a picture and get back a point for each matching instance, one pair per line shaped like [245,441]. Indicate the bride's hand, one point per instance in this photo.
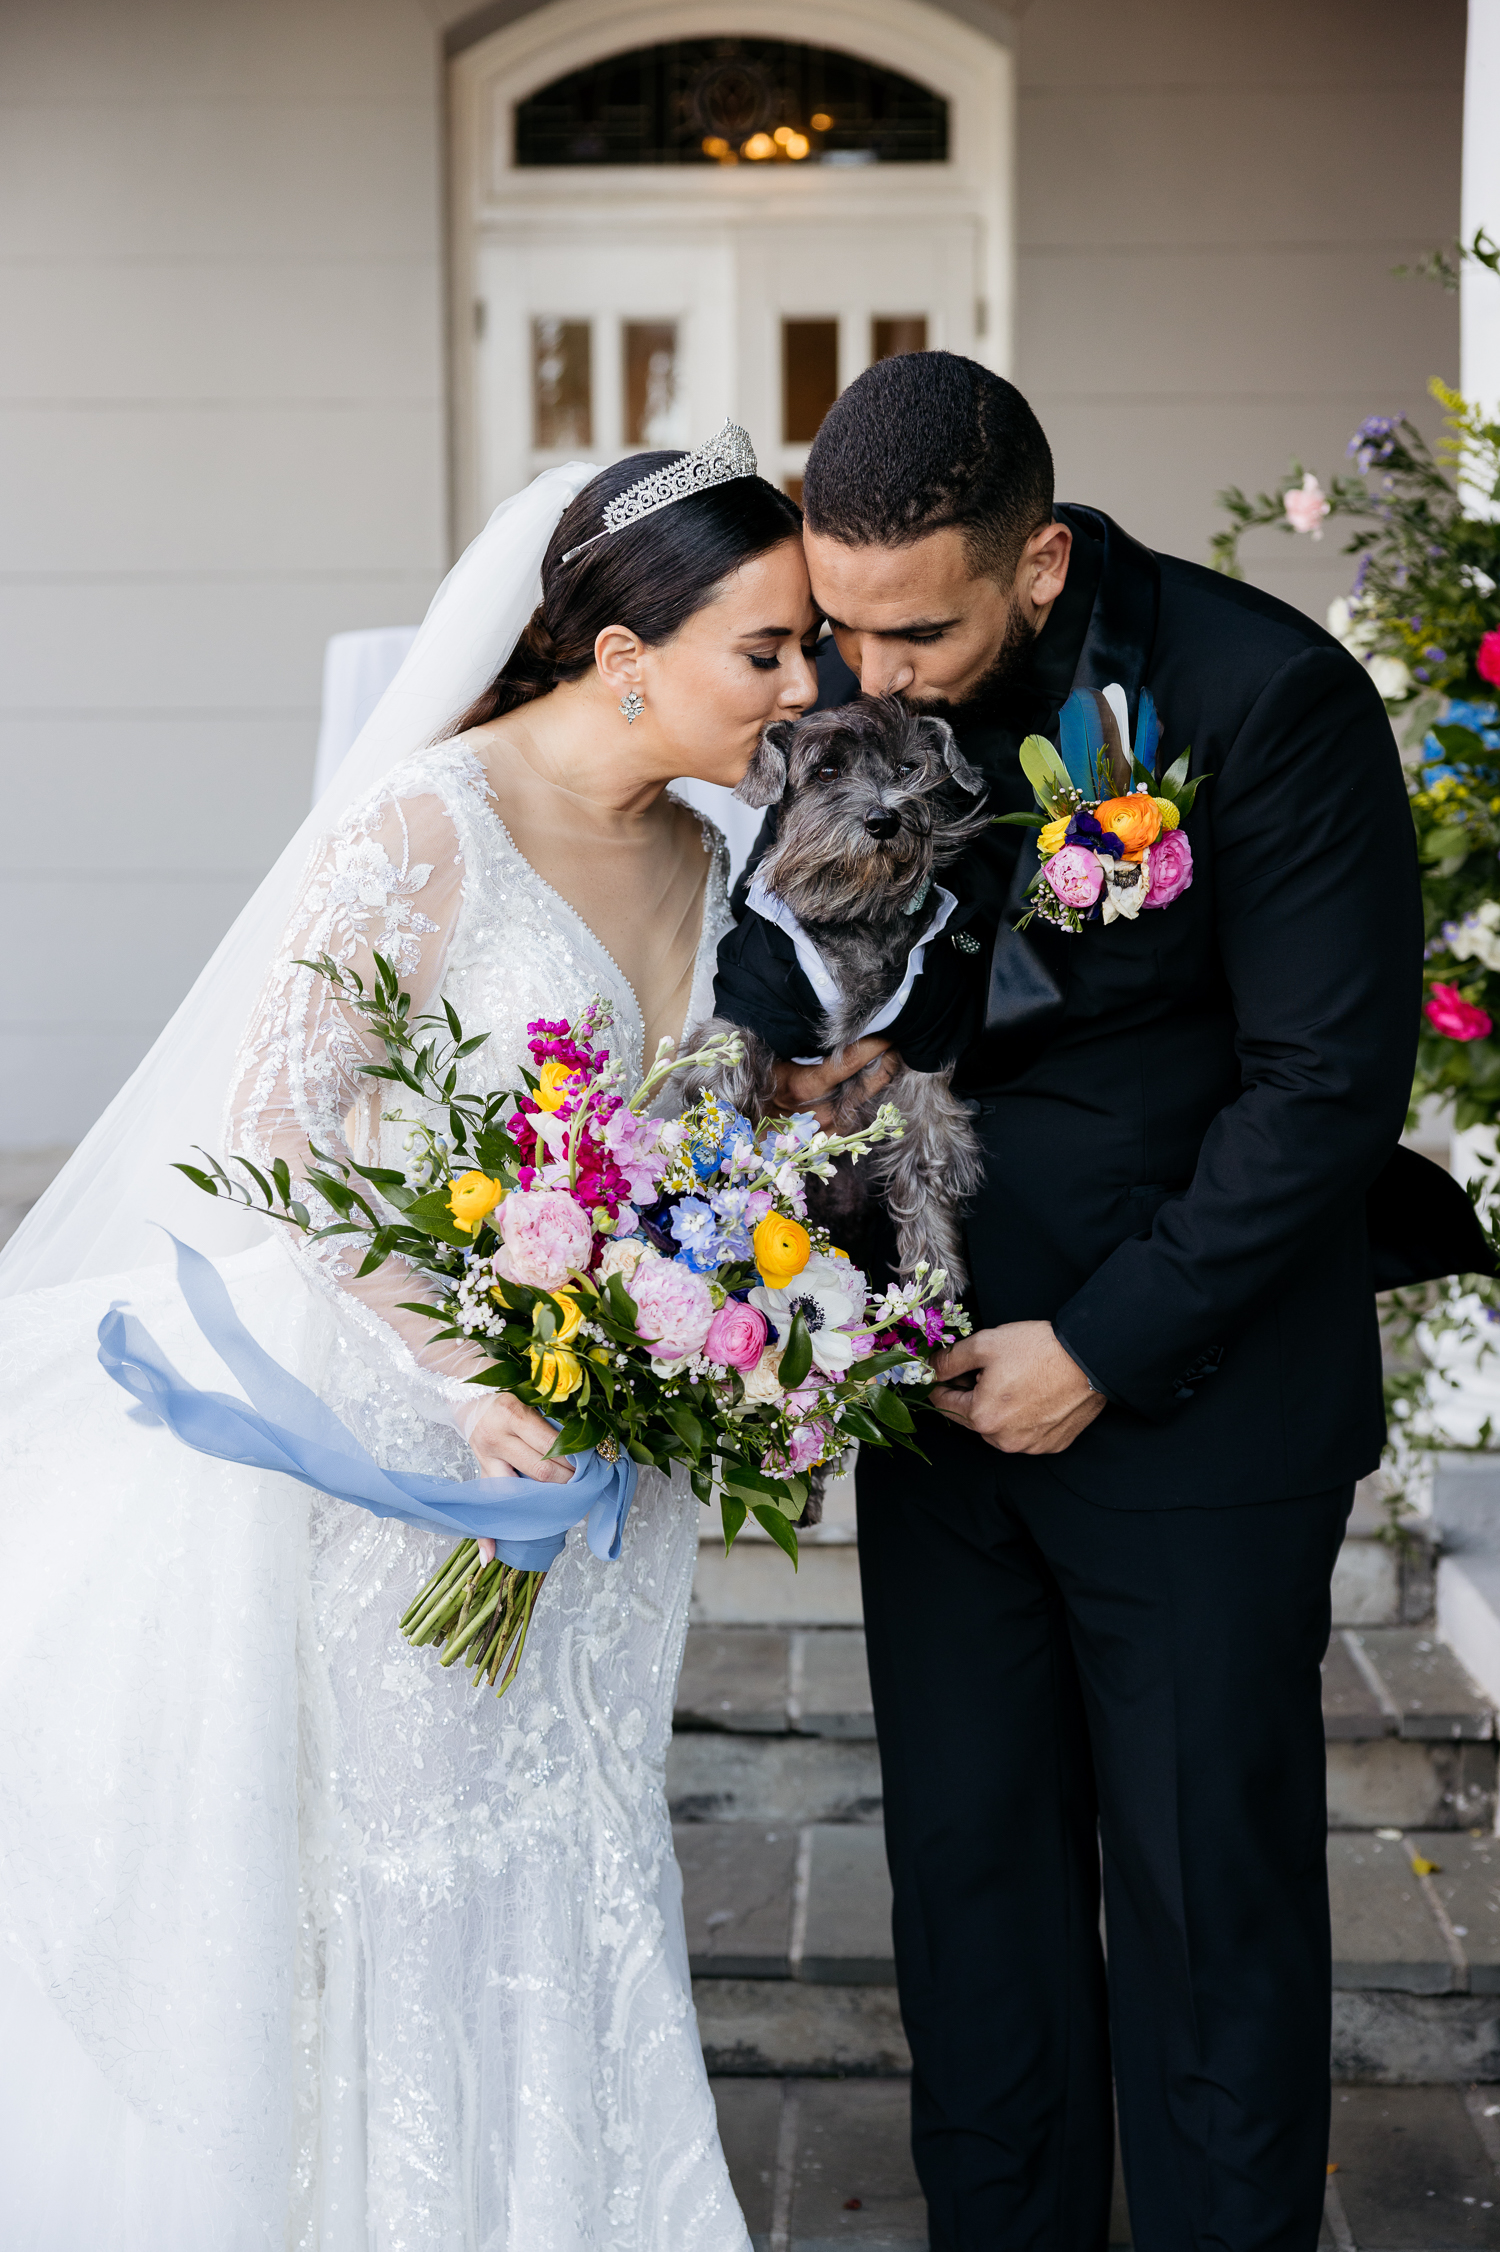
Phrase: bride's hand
[510,1440]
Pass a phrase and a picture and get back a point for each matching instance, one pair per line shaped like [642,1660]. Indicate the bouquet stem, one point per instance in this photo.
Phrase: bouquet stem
[479,1612]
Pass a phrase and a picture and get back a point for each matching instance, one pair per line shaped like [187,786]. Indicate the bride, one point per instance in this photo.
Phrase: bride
[307,1944]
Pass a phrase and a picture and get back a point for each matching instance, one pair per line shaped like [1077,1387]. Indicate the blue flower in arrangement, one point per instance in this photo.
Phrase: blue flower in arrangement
[714,1128]
[696,1233]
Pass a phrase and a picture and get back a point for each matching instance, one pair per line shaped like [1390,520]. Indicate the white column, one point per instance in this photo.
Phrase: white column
[1480,301]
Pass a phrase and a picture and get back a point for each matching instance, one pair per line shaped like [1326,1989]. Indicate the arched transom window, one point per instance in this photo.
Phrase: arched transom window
[732,101]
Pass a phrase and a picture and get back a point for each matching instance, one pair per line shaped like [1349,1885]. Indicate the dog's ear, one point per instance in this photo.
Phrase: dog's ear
[945,743]
[765,777]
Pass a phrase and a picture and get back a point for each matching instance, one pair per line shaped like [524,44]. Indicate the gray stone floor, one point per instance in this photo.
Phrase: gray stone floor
[824,2163]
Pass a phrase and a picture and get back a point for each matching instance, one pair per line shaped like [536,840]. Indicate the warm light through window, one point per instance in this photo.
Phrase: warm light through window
[821,121]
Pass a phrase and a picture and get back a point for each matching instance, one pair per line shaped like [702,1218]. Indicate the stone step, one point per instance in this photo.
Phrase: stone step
[789,1942]
[1377,1581]
[823,2163]
[772,1723]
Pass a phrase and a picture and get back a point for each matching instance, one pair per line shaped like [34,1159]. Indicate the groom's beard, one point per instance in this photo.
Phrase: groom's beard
[991,693]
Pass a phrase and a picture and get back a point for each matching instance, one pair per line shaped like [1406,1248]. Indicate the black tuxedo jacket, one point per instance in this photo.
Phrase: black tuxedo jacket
[1190,1121]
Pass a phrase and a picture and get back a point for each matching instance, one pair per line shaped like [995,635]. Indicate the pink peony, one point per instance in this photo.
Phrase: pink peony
[807,1445]
[1457,1019]
[674,1307]
[1171,869]
[1487,662]
[736,1335]
[1305,506]
[1075,875]
[546,1235]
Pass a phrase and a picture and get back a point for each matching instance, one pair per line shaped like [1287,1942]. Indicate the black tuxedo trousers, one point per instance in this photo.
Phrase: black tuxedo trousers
[1056,1683]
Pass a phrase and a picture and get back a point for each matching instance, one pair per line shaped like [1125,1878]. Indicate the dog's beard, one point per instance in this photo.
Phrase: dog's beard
[990,694]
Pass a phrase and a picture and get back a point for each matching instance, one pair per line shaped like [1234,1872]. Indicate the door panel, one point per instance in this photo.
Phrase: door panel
[592,352]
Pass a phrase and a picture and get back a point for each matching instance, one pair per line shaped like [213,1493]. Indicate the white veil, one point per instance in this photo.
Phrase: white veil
[95,1219]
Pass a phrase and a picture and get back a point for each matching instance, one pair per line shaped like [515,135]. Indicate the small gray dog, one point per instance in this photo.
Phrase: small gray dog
[873,799]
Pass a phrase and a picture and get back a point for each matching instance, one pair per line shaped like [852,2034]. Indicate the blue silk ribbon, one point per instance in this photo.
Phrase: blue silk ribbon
[287,1428]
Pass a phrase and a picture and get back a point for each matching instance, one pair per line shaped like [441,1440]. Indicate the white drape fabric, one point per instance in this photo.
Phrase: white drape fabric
[358,668]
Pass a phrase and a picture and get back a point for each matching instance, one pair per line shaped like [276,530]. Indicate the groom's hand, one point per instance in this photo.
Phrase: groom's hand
[1031,1398]
[835,1090]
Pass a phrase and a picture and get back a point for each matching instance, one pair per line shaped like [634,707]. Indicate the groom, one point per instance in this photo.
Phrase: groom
[1096,1620]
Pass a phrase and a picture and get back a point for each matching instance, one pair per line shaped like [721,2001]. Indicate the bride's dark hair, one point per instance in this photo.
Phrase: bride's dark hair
[651,576]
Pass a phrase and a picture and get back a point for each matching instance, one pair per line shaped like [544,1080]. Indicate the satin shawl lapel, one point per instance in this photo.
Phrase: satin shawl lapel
[1030,971]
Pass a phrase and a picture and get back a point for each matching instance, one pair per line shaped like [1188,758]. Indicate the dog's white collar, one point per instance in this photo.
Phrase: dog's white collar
[763,901]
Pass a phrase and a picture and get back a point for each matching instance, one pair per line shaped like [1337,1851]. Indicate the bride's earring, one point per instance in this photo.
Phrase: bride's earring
[632,704]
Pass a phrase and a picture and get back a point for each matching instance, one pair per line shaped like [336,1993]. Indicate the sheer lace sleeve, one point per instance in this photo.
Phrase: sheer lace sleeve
[390,880]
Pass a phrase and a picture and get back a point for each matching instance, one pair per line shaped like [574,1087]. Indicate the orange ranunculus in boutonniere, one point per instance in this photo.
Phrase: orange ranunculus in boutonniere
[1135,820]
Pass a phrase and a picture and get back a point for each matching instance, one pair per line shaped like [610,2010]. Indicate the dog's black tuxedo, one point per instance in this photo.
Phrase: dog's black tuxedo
[1191,1127]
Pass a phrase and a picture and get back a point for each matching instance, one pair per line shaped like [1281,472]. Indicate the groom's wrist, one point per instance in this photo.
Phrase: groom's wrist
[1082,1366]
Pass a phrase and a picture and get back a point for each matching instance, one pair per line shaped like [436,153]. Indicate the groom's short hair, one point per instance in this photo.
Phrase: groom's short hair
[924,441]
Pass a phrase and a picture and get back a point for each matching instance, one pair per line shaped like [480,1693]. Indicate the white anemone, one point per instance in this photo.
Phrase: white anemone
[827,1294]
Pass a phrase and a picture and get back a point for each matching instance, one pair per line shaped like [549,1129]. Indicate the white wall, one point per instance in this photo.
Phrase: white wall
[1481,204]
[1212,195]
[221,439]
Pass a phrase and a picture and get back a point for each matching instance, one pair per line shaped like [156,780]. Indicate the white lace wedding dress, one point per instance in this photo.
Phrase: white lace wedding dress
[310,1944]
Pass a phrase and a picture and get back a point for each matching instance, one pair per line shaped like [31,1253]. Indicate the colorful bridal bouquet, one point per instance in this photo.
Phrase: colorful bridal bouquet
[1109,833]
[651,1284]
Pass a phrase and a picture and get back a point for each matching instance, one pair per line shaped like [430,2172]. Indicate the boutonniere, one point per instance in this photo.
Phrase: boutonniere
[1109,832]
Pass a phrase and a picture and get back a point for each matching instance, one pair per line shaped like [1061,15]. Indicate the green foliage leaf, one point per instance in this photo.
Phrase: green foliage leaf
[686,1425]
[1175,776]
[1018,821]
[621,1304]
[1462,746]
[1187,794]
[434,1215]
[500,1376]
[858,1425]
[780,1528]
[198,1177]
[892,1409]
[1044,770]
[796,1359]
[733,1514]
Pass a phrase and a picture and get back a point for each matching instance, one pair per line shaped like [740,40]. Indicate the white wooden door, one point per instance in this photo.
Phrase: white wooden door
[595,348]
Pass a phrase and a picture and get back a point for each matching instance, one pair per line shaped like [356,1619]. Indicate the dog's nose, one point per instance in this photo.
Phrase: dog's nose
[881,822]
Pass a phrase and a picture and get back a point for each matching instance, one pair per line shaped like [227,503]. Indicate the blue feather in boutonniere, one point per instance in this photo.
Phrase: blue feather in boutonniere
[1109,833]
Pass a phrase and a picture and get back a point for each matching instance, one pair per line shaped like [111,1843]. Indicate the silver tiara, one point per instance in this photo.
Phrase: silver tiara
[728,454]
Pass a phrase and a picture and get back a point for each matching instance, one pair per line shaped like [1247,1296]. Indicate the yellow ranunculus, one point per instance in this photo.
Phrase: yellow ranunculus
[1170,817]
[555,1084]
[782,1249]
[1052,838]
[556,1371]
[472,1198]
[572,1316]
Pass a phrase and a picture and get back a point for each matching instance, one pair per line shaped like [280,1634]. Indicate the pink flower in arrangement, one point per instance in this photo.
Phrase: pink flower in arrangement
[1171,869]
[1457,1019]
[1075,875]
[546,1236]
[1487,662]
[1306,506]
[674,1307]
[807,1445]
[736,1336]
